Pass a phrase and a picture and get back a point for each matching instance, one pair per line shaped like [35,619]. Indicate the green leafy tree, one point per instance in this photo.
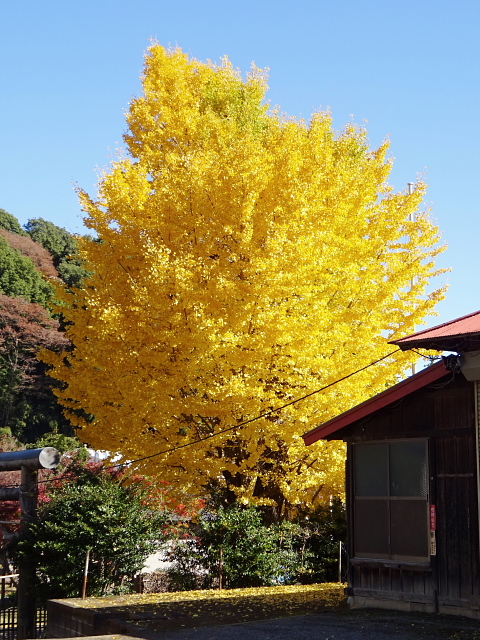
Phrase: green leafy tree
[41,257]
[19,277]
[10,223]
[63,443]
[28,406]
[232,548]
[62,245]
[121,525]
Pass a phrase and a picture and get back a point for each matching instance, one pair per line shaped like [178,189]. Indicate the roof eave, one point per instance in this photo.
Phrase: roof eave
[460,342]
[422,379]
[442,334]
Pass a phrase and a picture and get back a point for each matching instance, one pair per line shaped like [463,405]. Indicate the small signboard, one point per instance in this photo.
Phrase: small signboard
[433,518]
[433,543]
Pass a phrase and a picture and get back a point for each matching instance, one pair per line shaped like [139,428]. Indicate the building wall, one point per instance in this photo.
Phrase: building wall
[444,414]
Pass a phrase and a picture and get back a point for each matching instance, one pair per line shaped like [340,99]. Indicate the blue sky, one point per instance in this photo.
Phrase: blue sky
[407,70]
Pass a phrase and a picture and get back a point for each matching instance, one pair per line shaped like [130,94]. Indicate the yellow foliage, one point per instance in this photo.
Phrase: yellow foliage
[331,593]
[163,612]
[245,260]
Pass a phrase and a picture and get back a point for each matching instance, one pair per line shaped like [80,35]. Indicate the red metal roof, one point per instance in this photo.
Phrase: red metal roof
[422,379]
[462,334]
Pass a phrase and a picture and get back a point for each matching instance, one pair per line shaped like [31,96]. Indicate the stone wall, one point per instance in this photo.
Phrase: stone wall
[67,620]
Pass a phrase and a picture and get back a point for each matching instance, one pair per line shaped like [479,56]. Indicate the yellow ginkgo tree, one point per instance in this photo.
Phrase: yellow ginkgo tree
[245,259]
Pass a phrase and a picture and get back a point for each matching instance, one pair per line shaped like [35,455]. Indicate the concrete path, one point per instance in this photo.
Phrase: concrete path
[355,625]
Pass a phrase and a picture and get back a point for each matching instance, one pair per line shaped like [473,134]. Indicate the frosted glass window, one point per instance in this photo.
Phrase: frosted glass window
[408,469]
[371,470]
[391,500]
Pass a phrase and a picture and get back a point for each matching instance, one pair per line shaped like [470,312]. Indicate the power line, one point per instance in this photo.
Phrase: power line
[237,426]
[262,415]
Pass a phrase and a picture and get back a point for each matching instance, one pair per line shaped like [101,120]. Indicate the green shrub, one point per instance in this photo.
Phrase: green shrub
[63,444]
[95,511]
[320,531]
[232,548]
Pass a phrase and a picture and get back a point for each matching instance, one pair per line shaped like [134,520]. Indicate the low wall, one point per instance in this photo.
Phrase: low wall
[65,620]
[71,620]
[154,615]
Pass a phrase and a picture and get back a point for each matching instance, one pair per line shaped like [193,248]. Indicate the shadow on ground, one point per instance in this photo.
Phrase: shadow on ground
[365,624]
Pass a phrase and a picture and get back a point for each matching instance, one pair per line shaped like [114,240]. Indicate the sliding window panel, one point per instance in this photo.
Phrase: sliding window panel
[408,469]
[371,469]
[371,528]
[409,530]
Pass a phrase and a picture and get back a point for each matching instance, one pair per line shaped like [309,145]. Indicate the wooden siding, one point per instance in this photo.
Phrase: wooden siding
[394,583]
[445,415]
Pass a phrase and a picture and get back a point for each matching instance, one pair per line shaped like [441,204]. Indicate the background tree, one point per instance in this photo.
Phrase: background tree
[63,247]
[28,262]
[10,223]
[41,258]
[19,277]
[246,259]
[28,408]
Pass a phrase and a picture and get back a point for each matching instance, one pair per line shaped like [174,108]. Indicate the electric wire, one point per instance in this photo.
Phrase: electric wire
[425,357]
[262,415]
[234,428]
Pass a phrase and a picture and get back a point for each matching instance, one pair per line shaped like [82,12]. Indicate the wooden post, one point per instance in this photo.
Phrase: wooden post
[4,573]
[85,575]
[27,569]
[339,561]
[28,462]
[220,570]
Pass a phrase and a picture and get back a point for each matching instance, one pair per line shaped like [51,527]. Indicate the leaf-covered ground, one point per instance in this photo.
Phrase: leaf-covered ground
[167,611]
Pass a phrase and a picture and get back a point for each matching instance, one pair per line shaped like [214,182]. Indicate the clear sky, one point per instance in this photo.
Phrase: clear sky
[407,70]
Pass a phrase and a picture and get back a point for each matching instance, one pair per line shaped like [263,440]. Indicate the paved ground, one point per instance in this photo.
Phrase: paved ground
[350,625]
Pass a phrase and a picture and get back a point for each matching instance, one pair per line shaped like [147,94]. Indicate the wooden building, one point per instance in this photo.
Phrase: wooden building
[412,481]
